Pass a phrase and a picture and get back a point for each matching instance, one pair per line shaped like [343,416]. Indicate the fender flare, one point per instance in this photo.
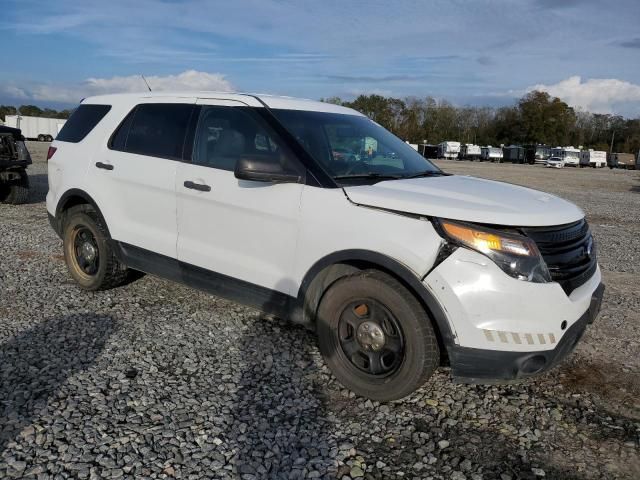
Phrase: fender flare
[64,199]
[410,280]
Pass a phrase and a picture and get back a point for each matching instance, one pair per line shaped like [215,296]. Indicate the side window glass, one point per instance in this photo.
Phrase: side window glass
[154,129]
[226,134]
[119,138]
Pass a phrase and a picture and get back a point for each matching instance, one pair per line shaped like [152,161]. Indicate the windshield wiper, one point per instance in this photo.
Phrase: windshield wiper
[426,173]
[376,176]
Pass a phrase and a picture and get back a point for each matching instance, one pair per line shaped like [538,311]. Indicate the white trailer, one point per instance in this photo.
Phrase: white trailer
[569,155]
[593,158]
[36,128]
[469,151]
[448,150]
[493,154]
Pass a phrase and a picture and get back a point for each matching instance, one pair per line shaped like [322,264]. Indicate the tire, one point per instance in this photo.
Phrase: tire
[406,371]
[103,271]
[41,138]
[49,138]
[16,192]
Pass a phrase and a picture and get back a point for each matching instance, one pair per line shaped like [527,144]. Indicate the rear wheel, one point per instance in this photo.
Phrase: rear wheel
[88,253]
[49,138]
[41,138]
[376,338]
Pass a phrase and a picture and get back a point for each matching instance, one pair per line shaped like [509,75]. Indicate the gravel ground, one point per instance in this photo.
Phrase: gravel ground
[154,380]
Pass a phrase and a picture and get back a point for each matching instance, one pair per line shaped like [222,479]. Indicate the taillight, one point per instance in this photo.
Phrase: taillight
[50,152]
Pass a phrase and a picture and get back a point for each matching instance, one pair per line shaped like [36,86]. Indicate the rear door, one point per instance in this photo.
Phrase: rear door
[134,176]
[236,231]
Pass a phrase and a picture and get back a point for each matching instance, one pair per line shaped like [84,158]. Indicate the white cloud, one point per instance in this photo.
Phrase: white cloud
[596,95]
[190,80]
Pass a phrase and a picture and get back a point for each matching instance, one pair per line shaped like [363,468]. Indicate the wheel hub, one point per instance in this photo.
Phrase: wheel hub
[88,251]
[370,336]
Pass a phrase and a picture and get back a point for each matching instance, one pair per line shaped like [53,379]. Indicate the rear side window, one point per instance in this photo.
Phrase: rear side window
[82,121]
[154,129]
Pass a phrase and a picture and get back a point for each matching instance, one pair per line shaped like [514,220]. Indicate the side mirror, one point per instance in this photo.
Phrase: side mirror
[263,170]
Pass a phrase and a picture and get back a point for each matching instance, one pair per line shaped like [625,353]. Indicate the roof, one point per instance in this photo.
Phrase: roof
[252,100]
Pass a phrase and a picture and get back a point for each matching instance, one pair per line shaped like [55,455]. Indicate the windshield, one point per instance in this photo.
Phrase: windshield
[352,148]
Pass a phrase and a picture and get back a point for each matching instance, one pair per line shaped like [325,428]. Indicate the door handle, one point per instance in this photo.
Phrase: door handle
[197,186]
[105,166]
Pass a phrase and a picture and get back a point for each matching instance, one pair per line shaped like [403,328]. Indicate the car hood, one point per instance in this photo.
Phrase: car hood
[467,198]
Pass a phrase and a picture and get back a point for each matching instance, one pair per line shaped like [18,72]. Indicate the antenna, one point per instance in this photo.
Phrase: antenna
[145,82]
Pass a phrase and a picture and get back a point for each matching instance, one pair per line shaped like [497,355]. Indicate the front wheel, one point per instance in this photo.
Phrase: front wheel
[88,253]
[376,338]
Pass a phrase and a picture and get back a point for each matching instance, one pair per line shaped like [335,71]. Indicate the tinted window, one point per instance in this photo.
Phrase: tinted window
[155,129]
[225,134]
[119,138]
[81,122]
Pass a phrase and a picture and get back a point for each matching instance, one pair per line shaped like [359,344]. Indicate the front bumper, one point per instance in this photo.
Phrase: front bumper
[474,365]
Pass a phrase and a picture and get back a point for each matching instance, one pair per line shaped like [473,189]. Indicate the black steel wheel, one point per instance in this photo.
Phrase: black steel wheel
[371,337]
[88,253]
[375,336]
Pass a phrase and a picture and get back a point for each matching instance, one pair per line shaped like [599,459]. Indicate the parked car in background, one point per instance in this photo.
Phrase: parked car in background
[537,153]
[469,151]
[570,155]
[555,162]
[14,160]
[395,264]
[622,160]
[41,129]
[493,154]
[449,150]
[593,158]
[513,154]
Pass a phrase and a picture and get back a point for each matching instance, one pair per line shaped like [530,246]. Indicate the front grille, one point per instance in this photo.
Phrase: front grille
[568,251]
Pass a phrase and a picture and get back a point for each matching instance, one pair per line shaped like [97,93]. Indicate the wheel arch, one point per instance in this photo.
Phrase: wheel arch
[72,198]
[339,264]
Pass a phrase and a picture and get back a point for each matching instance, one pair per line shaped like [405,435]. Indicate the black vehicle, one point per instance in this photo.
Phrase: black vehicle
[537,153]
[513,154]
[14,159]
[428,151]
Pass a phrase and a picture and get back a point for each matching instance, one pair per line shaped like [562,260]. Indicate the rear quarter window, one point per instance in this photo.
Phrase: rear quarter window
[82,121]
[154,129]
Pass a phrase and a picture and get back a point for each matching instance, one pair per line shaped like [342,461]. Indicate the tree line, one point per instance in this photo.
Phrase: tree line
[536,118]
[32,111]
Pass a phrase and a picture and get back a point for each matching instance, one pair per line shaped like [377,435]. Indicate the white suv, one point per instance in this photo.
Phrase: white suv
[312,212]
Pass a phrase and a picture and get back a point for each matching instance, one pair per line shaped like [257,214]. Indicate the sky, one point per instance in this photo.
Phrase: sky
[475,52]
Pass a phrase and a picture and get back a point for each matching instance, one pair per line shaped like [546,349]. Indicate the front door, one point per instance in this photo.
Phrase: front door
[236,234]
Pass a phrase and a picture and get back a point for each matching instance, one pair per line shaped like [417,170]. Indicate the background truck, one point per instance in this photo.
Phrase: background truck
[493,154]
[14,159]
[537,153]
[36,128]
[428,151]
[569,155]
[448,150]
[622,160]
[513,154]
[593,158]
[469,151]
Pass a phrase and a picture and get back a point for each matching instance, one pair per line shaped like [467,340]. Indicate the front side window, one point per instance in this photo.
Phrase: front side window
[226,134]
[354,148]
[154,129]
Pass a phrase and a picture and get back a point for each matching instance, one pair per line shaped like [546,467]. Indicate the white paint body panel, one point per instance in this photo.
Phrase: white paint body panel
[467,198]
[478,296]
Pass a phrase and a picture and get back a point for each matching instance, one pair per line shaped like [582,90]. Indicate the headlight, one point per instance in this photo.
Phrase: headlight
[516,255]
